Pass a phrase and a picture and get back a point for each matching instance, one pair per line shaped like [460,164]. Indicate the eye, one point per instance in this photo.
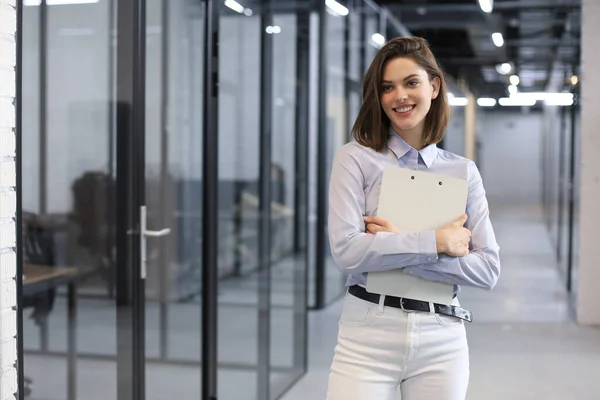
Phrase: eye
[387,88]
[413,83]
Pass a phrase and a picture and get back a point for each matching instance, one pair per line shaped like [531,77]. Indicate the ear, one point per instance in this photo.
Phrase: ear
[435,84]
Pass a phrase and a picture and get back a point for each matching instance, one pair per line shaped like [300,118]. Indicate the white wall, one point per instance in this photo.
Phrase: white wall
[8,297]
[510,156]
[588,295]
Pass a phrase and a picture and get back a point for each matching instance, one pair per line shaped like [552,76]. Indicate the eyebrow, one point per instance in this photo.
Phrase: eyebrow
[405,79]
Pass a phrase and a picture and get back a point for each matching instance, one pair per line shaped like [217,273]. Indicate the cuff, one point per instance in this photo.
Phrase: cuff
[428,246]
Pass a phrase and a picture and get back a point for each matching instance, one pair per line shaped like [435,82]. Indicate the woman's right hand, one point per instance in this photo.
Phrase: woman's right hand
[453,239]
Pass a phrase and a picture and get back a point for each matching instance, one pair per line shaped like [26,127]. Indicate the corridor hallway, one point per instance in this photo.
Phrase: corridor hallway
[524,343]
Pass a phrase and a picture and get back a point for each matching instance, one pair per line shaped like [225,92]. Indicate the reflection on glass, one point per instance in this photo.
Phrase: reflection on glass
[239,160]
[288,266]
[174,92]
[372,29]
[354,67]
[68,209]
[337,127]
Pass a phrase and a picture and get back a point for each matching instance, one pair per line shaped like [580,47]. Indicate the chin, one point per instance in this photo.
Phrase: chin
[404,127]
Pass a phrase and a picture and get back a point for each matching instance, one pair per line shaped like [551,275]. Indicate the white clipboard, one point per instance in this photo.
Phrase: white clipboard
[416,201]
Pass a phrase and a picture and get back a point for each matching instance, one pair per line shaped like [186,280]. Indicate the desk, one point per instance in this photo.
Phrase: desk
[38,278]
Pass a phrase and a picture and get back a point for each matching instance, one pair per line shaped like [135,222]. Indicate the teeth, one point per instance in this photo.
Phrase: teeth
[404,109]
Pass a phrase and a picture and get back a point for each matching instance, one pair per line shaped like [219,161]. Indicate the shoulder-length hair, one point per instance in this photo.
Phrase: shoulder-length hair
[372,125]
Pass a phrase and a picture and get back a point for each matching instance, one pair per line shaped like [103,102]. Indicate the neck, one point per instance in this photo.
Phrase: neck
[413,137]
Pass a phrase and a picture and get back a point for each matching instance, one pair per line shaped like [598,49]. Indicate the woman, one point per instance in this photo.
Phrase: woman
[387,345]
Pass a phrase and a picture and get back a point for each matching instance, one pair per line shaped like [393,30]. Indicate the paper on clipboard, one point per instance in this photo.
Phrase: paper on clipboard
[416,201]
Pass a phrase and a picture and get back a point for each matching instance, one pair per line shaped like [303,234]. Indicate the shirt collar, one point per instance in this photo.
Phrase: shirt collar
[400,148]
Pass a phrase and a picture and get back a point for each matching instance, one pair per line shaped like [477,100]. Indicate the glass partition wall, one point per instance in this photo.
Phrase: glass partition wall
[175,161]
[75,70]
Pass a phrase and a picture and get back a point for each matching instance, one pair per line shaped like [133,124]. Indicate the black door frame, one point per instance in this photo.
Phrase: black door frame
[130,156]
[210,204]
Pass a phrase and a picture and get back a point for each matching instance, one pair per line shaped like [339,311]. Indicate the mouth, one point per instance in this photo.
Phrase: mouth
[404,110]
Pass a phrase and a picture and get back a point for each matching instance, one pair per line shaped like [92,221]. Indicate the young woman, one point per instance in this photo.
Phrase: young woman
[387,344]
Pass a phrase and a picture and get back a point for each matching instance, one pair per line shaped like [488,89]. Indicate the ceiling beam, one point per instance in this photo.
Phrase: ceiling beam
[543,42]
[454,24]
[498,6]
[491,61]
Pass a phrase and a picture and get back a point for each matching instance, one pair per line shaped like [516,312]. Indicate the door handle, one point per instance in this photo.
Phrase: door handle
[144,233]
[162,232]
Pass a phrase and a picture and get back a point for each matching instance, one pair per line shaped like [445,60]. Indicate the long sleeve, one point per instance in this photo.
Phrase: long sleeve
[481,267]
[355,251]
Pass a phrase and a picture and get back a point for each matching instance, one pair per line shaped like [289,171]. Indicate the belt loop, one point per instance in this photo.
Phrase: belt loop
[381,304]
[431,308]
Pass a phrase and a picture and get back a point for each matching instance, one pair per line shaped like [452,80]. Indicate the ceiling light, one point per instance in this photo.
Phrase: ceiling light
[551,99]
[512,102]
[514,80]
[486,102]
[273,29]
[378,39]
[248,12]
[235,6]
[559,101]
[458,101]
[574,80]
[504,68]
[58,2]
[512,89]
[498,39]
[336,7]
[486,5]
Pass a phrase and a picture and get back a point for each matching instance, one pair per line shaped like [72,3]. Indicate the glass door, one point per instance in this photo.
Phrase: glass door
[80,199]
[173,174]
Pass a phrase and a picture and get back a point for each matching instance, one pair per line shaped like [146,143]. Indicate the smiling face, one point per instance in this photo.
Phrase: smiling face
[406,95]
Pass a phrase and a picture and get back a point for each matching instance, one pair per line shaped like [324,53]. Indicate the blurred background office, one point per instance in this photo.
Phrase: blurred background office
[173,166]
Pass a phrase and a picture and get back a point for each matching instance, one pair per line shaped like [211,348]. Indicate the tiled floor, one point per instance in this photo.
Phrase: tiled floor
[524,344]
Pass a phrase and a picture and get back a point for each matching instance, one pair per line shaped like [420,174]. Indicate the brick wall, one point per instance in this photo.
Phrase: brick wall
[8,316]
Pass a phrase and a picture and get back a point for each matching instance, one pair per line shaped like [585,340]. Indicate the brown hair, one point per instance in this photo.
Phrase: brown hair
[372,125]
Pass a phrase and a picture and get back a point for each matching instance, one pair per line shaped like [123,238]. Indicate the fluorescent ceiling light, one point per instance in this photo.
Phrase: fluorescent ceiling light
[378,39]
[559,101]
[551,99]
[514,80]
[504,68]
[336,7]
[58,2]
[512,102]
[273,29]
[486,5]
[235,6]
[498,39]
[458,101]
[512,90]
[486,102]
[544,96]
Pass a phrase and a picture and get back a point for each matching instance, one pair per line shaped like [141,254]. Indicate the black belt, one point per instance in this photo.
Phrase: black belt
[410,304]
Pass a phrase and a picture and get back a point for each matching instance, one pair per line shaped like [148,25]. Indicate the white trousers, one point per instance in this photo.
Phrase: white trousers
[386,353]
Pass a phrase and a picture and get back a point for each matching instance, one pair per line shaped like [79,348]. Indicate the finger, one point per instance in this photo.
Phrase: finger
[374,228]
[376,220]
[460,221]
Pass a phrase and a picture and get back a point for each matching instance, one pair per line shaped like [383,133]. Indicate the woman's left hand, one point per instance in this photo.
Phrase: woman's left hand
[376,224]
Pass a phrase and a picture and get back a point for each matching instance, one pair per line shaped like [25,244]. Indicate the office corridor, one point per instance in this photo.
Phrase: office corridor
[524,343]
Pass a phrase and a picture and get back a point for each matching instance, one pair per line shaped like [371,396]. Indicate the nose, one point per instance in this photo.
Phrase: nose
[401,95]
